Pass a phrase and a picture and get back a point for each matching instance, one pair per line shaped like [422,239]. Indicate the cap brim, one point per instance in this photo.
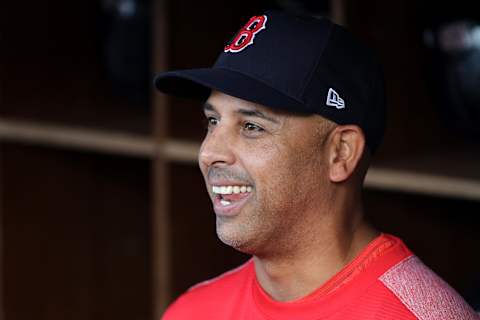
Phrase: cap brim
[198,84]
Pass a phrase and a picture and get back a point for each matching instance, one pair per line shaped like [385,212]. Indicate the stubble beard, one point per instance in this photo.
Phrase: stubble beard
[255,230]
[248,231]
[267,225]
[239,232]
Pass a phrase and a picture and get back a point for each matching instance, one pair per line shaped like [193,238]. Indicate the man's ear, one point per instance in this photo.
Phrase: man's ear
[345,149]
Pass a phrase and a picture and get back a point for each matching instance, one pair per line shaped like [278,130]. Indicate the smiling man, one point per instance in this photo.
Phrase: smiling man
[295,108]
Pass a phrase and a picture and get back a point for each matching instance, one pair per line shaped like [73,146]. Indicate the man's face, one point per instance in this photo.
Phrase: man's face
[263,170]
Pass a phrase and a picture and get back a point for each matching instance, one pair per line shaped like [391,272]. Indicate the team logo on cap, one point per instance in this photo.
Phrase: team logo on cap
[334,100]
[245,36]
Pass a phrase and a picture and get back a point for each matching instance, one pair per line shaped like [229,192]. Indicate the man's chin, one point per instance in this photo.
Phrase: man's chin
[235,238]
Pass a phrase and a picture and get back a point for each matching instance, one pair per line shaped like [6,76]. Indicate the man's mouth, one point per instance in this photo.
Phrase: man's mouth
[229,198]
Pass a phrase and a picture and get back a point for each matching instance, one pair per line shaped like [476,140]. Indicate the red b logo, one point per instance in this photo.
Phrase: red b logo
[245,36]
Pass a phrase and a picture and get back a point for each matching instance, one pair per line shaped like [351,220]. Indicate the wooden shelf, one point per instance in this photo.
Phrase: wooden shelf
[76,138]
[86,139]
[433,182]
[423,183]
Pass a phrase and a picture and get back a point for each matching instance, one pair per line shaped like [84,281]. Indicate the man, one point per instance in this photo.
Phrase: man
[295,108]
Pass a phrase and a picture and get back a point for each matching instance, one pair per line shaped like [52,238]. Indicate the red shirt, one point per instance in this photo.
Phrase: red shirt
[385,281]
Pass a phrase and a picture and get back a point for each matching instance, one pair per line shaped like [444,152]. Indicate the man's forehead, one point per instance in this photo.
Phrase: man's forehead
[219,101]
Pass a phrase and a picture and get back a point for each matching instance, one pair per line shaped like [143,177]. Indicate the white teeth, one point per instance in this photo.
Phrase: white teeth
[231,189]
[225,202]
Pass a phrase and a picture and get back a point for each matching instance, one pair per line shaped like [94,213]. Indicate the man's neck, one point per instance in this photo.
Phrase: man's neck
[290,277]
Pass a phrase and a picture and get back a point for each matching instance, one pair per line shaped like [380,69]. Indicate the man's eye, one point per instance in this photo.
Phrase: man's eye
[252,127]
[211,121]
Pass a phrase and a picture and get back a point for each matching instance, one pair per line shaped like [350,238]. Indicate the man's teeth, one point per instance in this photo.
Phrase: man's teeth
[225,202]
[231,189]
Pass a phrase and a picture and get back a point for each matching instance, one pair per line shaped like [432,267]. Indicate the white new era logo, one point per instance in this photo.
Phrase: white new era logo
[334,100]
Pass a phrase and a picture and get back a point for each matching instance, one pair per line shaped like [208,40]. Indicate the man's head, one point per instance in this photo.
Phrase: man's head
[267,170]
[294,105]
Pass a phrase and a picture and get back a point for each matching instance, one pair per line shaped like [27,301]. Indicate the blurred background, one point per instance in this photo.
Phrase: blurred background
[103,212]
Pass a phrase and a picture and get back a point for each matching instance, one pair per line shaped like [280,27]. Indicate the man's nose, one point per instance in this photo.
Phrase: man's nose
[217,149]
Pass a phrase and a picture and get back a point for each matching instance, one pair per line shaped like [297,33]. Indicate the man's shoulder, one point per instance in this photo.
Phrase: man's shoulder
[424,293]
[208,295]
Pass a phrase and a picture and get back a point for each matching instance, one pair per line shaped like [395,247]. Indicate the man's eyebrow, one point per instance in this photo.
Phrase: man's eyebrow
[208,107]
[256,113]
[246,112]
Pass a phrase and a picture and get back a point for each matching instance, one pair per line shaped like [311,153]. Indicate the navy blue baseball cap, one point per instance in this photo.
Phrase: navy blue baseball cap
[300,64]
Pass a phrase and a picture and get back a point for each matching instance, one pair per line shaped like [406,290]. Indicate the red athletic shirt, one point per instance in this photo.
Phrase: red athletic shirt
[385,281]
